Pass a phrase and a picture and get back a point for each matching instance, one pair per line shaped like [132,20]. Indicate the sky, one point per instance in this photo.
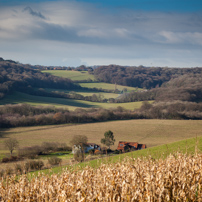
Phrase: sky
[166,33]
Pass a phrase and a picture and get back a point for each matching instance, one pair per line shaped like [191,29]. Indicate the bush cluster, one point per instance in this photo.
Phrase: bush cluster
[45,148]
[10,159]
[54,161]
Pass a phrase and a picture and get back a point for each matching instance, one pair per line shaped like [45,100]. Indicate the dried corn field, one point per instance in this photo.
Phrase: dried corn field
[177,178]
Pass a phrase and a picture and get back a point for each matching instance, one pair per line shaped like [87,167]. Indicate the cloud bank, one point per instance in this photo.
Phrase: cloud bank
[72,33]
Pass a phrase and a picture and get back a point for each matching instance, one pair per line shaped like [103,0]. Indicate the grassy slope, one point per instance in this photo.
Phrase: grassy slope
[72,104]
[60,102]
[73,75]
[184,146]
[76,75]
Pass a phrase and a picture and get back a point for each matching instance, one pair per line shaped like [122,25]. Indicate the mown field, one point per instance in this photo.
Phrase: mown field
[70,104]
[150,132]
[107,86]
[73,75]
[83,75]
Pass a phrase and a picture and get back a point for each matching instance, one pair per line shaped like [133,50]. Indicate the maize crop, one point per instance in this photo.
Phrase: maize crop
[176,178]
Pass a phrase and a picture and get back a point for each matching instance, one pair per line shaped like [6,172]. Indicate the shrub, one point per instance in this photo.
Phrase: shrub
[79,156]
[30,152]
[92,151]
[63,147]
[54,160]
[18,168]
[117,151]
[34,165]
[8,171]
[49,146]
[13,158]
[2,172]
[5,160]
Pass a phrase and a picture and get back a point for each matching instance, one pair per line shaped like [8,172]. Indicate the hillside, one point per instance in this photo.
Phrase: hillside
[14,76]
[150,132]
[142,77]
[177,93]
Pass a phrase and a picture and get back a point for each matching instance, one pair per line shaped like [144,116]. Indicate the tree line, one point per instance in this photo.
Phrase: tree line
[185,88]
[141,77]
[27,115]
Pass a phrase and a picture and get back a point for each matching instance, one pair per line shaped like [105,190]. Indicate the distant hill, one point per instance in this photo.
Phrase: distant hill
[141,77]
[15,76]
[162,84]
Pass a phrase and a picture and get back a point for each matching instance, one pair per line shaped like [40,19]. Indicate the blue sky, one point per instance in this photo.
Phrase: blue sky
[102,32]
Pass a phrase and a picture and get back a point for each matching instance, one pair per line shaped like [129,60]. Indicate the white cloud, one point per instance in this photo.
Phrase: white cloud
[92,33]
[85,33]
[183,38]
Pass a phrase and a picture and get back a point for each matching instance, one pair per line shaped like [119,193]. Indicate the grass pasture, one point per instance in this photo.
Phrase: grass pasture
[70,104]
[85,92]
[150,132]
[107,86]
[73,75]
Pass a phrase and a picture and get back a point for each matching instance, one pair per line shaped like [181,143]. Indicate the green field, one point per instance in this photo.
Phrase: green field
[78,76]
[70,104]
[105,95]
[85,93]
[73,75]
[107,86]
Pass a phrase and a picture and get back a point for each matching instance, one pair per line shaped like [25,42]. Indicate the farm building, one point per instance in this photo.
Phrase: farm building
[87,147]
[130,146]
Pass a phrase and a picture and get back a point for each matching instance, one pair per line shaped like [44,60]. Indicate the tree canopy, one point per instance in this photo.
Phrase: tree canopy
[108,139]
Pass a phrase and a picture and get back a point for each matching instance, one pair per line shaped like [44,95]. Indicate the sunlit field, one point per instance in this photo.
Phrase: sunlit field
[73,75]
[70,104]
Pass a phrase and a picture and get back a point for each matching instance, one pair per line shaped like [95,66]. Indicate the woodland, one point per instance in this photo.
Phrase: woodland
[167,93]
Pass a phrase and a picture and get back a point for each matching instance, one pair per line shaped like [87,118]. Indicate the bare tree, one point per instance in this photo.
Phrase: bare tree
[78,139]
[78,143]
[11,144]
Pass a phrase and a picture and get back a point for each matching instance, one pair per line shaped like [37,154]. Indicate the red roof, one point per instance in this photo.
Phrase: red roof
[135,145]
[122,144]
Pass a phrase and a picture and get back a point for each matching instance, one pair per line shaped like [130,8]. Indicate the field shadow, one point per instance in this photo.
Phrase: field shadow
[18,97]
[6,133]
[3,133]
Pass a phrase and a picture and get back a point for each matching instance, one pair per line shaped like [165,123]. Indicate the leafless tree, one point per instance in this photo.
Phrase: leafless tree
[11,144]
